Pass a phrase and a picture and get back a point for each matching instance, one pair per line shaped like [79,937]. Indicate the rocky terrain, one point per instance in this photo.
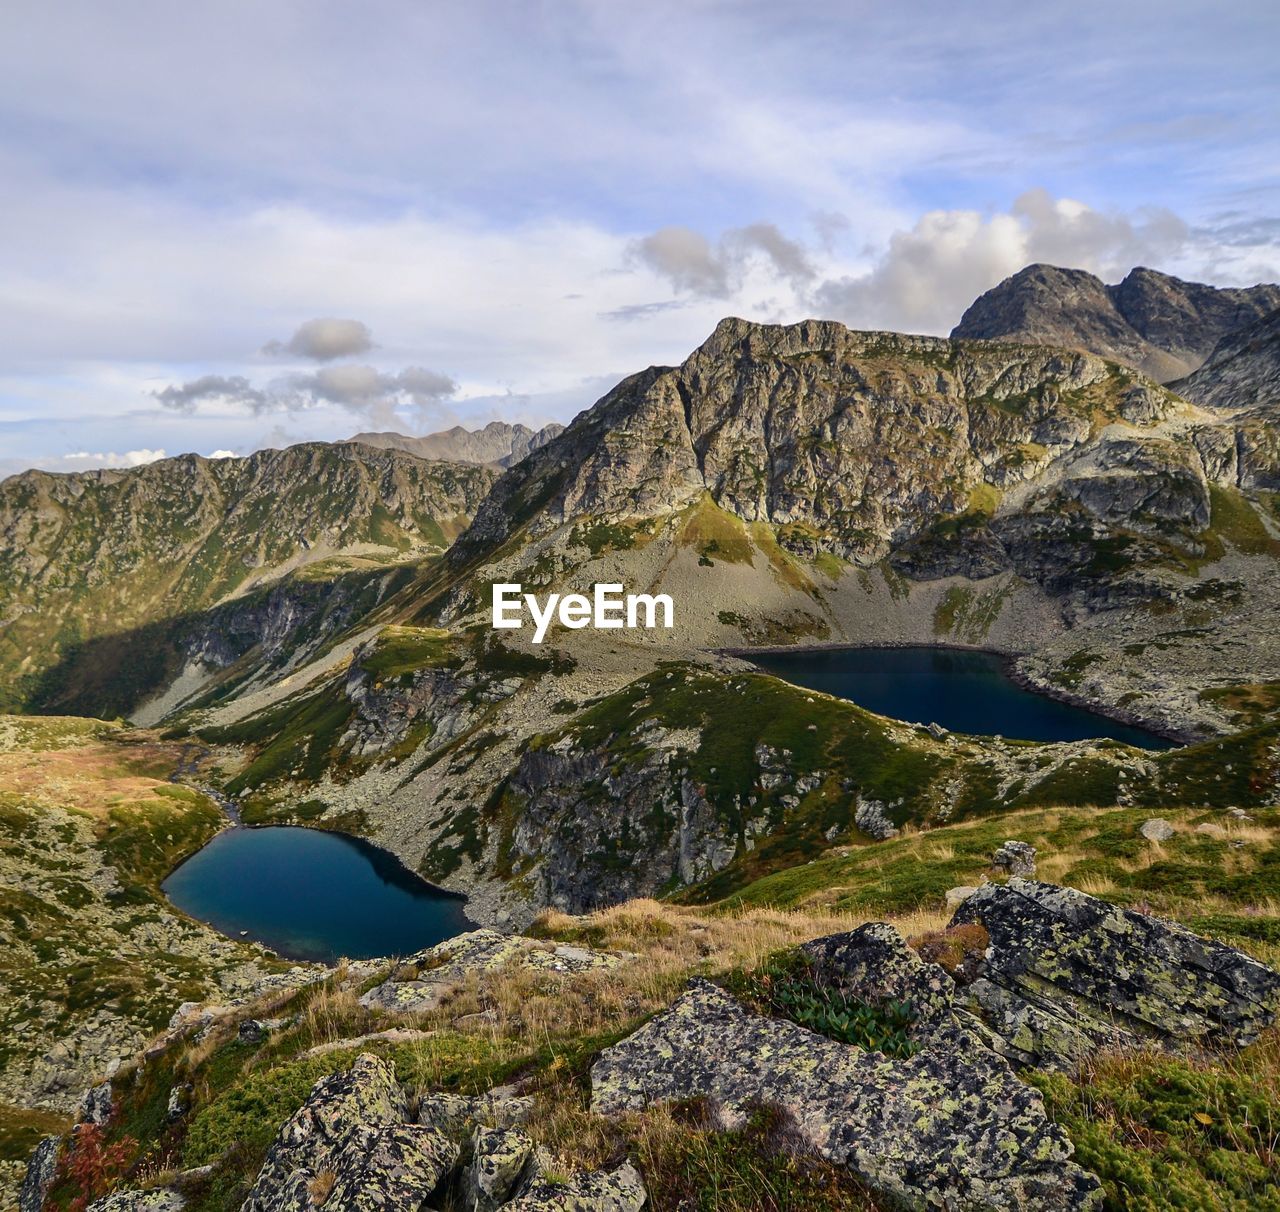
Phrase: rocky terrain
[1118,540]
[1158,324]
[497,442]
[736,1060]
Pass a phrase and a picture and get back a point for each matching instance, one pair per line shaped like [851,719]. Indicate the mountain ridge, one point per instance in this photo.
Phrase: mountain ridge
[1157,323]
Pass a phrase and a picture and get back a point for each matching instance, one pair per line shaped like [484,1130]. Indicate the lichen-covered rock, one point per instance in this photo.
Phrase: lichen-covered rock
[95,1108]
[457,1114]
[426,979]
[499,1157]
[870,817]
[398,1167]
[1065,972]
[352,1131]
[159,1200]
[946,1128]
[874,965]
[620,1190]
[39,1176]
[1017,858]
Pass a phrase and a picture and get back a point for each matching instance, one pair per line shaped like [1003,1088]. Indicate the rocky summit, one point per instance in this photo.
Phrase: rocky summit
[1158,324]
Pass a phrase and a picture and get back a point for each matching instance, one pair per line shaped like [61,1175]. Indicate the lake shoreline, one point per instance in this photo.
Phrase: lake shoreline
[1008,660]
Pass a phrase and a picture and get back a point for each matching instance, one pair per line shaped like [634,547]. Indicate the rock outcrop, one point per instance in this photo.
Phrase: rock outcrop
[1151,321]
[1065,973]
[353,1141]
[939,1129]
[424,980]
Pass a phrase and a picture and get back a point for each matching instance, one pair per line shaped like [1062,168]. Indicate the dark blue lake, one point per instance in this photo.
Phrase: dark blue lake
[312,895]
[963,691]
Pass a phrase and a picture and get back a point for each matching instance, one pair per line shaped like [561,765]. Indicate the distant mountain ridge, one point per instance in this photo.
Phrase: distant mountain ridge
[498,442]
[1154,322]
[88,555]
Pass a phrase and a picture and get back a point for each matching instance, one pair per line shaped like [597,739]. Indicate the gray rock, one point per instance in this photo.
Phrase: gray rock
[940,1129]
[159,1200]
[869,816]
[457,1114]
[1065,972]
[1017,858]
[1157,829]
[957,896]
[251,1032]
[39,1176]
[95,1107]
[620,1190]
[179,1102]
[426,979]
[352,1133]
[399,1166]
[499,1158]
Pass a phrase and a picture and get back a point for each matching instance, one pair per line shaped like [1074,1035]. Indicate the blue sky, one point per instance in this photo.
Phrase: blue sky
[510,205]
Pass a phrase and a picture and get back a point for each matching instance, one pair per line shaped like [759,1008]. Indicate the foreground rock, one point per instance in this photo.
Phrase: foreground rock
[940,1129]
[351,1141]
[424,980]
[1065,973]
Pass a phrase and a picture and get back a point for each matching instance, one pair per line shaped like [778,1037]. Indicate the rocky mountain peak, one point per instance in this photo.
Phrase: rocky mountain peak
[497,442]
[1157,323]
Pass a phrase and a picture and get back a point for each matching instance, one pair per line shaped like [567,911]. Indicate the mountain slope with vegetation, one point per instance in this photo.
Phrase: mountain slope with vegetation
[93,559]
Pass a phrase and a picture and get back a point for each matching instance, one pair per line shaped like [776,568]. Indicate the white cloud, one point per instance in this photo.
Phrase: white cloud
[932,271]
[692,264]
[83,460]
[222,454]
[324,339]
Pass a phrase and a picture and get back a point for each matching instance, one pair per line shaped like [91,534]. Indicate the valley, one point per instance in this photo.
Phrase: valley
[950,617]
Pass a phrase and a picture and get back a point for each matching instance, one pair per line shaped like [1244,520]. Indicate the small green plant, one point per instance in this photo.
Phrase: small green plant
[787,985]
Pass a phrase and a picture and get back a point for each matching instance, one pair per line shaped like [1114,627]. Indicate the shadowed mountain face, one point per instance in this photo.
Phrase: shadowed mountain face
[1242,372]
[1157,323]
[94,554]
[497,442]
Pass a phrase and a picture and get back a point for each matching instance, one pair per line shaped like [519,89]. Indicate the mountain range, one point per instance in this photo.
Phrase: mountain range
[1083,479]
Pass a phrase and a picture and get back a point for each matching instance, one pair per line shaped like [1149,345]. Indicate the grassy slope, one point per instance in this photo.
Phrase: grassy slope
[89,826]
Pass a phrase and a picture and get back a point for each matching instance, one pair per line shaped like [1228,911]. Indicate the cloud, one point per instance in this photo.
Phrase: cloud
[222,454]
[83,460]
[356,387]
[693,265]
[230,389]
[932,271]
[324,339]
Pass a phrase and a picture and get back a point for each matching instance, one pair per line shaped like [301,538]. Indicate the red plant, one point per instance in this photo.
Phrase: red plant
[93,1166]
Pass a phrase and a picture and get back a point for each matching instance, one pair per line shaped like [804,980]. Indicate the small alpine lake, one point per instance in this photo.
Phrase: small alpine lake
[313,895]
[961,689]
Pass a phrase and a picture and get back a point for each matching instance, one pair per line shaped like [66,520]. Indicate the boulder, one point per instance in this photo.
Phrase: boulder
[619,1190]
[351,1135]
[158,1200]
[958,895]
[39,1176]
[499,1159]
[1065,973]
[397,1167]
[1157,829]
[1017,858]
[946,1127]
[458,1114]
[95,1107]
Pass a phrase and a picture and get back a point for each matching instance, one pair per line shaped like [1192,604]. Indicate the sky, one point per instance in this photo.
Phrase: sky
[234,225]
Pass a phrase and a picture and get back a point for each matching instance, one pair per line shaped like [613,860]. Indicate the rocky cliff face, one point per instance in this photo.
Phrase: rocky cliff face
[101,553]
[1154,322]
[949,457]
[1243,371]
[498,442]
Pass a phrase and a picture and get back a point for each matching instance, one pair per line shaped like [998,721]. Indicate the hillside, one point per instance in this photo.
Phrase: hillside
[101,566]
[1158,324]
[794,484]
